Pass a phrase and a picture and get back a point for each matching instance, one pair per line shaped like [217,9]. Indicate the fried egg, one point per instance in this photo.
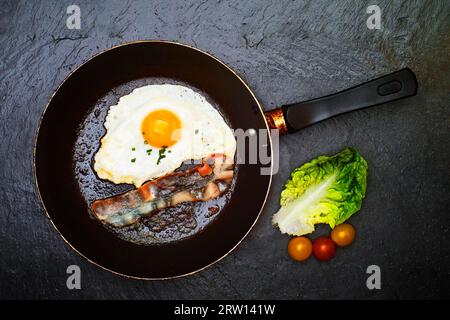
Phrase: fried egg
[154,129]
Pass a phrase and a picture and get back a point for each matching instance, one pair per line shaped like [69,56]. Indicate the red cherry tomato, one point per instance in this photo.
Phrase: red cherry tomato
[324,248]
[204,170]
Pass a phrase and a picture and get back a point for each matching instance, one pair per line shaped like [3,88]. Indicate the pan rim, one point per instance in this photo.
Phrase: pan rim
[36,183]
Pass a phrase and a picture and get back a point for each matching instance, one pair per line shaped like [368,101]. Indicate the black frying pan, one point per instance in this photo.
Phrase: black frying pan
[67,184]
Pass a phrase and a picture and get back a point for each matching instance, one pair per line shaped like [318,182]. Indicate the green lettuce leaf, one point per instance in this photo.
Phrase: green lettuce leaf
[324,190]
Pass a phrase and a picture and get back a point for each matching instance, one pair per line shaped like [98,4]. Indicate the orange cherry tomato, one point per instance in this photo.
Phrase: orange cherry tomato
[324,249]
[300,248]
[343,234]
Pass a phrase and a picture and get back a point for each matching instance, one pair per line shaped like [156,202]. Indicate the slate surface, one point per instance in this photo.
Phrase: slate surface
[287,51]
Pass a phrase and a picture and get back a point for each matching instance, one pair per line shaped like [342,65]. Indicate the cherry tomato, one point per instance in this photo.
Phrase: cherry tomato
[343,235]
[324,249]
[300,248]
[204,170]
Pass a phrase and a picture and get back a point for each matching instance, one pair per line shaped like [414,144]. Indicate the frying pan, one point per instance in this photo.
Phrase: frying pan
[100,81]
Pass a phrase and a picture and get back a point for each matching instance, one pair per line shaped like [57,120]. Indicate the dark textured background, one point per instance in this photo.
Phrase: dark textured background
[287,51]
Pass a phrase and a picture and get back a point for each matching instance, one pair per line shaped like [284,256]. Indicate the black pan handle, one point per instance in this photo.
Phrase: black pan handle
[394,86]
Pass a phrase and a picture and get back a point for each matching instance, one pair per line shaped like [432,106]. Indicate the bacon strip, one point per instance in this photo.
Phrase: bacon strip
[166,191]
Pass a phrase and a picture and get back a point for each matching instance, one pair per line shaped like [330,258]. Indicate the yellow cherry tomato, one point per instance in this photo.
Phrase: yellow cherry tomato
[343,234]
[300,248]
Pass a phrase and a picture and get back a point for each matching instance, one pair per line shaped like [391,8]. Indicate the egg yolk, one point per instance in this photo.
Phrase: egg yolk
[161,128]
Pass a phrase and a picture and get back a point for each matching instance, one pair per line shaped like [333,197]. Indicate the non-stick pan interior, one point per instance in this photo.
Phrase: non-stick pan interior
[107,75]
[165,226]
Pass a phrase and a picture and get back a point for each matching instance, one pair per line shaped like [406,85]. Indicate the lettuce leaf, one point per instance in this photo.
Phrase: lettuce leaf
[324,190]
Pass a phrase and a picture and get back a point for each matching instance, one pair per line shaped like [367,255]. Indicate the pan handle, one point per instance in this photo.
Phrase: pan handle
[394,86]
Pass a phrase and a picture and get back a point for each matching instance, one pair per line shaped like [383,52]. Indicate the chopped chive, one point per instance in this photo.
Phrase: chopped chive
[196,131]
[161,154]
[133,149]
[169,151]
[133,160]
[149,152]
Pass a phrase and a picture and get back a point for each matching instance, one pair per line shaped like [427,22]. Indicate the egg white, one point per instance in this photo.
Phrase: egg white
[203,132]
